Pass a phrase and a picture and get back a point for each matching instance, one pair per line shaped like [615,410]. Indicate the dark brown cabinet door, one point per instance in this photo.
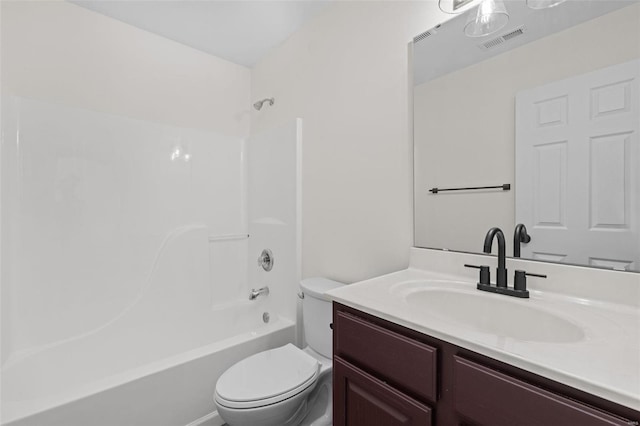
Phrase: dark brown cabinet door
[415,375]
[488,397]
[362,400]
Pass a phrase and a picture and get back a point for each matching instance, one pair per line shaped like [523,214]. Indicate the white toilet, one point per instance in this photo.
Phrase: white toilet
[286,386]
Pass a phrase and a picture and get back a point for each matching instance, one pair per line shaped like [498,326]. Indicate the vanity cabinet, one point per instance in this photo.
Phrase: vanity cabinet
[370,401]
[387,375]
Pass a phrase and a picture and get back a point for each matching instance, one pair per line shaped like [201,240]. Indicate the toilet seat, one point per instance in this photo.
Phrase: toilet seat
[267,378]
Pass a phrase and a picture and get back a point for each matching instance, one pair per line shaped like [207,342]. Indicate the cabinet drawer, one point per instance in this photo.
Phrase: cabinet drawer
[405,363]
[488,397]
[363,400]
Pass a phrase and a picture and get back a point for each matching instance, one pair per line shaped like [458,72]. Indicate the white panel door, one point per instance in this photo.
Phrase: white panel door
[578,168]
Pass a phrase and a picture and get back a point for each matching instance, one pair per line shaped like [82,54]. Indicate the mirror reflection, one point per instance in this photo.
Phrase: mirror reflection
[543,116]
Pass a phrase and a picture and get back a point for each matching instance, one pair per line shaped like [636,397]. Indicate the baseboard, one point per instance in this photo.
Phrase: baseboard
[211,419]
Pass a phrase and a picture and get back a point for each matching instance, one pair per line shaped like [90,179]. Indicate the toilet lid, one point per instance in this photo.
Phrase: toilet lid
[317,287]
[267,375]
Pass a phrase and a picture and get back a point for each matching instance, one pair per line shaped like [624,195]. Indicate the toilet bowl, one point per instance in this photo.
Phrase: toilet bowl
[272,388]
[285,386]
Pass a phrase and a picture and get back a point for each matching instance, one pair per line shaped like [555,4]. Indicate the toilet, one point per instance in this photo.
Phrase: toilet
[285,386]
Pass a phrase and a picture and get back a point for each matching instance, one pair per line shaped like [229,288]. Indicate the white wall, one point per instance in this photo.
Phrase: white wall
[465,126]
[60,52]
[92,111]
[346,75]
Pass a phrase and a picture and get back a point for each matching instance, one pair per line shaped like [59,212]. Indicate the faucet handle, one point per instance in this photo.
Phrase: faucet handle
[485,274]
[520,279]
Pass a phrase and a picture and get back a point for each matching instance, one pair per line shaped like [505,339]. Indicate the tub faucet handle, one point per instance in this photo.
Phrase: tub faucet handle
[265,260]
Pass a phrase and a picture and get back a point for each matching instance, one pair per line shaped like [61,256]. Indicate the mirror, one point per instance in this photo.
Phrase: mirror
[545,112]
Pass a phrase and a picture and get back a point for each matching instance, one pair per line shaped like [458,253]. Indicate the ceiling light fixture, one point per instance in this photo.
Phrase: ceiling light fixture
[491,16]
[543,4]
[455,7]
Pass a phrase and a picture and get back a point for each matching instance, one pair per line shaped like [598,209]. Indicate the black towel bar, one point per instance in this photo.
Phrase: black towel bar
[505,187]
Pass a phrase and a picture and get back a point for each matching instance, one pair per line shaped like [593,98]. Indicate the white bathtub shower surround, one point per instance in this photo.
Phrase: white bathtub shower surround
[95,198]
[130,255]
[273,207]
[115,260]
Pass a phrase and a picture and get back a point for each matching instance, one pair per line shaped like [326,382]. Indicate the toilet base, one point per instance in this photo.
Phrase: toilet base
[320,411]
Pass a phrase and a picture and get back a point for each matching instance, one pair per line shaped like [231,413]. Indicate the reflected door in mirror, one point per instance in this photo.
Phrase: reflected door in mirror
[578,168]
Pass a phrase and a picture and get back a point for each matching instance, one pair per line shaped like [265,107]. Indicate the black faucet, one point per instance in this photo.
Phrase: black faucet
[501,280]
[519,236]
[520,282]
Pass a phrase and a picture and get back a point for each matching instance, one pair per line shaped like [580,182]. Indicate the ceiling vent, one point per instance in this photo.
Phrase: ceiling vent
[426,34]
[490,44]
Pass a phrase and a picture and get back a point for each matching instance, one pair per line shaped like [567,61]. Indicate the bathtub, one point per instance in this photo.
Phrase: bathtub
[125,375]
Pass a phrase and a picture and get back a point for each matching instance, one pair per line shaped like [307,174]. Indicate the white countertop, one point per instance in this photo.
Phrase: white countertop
[604,362]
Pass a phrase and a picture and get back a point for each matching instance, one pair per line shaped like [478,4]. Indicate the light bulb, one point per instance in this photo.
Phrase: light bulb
[491,16]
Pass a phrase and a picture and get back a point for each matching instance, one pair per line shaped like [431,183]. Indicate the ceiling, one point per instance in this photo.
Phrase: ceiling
[433,49]
[239,31]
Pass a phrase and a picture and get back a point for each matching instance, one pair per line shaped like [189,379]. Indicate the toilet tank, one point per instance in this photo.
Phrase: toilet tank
[317,315]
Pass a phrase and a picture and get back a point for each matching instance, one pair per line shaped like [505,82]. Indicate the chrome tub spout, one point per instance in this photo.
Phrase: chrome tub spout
[257,292]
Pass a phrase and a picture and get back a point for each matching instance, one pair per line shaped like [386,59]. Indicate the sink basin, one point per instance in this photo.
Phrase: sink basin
[492,314]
